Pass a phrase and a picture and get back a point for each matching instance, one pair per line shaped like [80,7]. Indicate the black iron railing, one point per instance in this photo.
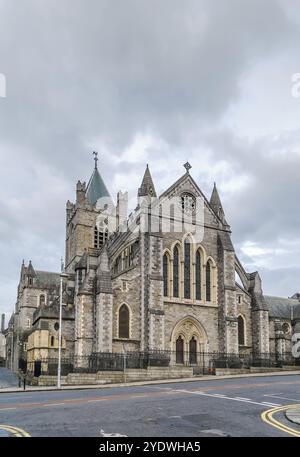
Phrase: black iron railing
[201,362]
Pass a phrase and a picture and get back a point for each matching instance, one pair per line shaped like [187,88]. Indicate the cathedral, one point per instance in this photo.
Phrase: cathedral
[164,279]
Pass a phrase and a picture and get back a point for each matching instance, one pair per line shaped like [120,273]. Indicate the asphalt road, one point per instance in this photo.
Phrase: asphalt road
[231,407]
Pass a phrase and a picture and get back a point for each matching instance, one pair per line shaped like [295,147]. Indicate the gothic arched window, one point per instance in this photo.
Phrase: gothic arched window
[52,341]
[198,275]
[208,281]
[187,269]
[124,321]
[176,272]
[42,300]
[166,274]
[241,330]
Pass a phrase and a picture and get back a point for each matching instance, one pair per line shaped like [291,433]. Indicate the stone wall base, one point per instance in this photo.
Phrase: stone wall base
[112,377]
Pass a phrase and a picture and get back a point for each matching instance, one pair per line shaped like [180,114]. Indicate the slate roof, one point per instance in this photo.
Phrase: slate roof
[283,307]
[96,188]
[47,279]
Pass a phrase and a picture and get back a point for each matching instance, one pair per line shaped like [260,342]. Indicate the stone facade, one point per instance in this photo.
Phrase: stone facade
[128,270]
[135,286]
[36,315]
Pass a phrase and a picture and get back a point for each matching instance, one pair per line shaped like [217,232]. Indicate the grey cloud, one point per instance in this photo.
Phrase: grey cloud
[98,73]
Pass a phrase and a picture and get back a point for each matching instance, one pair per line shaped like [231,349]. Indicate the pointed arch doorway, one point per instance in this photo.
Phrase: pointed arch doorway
[188,341]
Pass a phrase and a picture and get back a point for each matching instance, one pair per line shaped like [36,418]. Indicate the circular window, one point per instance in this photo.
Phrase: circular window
[286,328]
[188,203]
[56,326]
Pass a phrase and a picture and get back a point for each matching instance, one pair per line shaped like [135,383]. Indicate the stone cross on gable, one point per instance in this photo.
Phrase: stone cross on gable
[187,166]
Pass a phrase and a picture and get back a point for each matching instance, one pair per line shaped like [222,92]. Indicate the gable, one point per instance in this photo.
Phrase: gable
[187,184]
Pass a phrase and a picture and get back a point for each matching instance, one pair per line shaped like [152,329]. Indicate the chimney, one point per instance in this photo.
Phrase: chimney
[2,323]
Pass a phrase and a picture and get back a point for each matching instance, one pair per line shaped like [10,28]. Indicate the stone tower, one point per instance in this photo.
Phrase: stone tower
[82,232]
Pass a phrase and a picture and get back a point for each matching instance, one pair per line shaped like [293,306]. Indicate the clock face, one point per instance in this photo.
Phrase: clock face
[188,203]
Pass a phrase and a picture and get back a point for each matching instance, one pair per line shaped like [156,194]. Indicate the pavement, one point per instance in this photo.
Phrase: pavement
[244,406]
[293,415]
[145,383]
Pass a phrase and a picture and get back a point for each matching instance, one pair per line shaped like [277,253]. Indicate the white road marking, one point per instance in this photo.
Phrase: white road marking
[100,399]
[54,404]
[5,409]
[270,404]
[215,432]
[220,395]
[283,398]
[225,398]
[243,398]
[102,433]
[161,388]
[139,396]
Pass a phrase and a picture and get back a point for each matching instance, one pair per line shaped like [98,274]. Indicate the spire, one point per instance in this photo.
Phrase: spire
[215,203]
[147,187]
[96,187]
[23,270]
[30,270]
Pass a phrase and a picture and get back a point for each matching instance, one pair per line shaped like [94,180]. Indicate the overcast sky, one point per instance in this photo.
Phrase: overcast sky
[156,82]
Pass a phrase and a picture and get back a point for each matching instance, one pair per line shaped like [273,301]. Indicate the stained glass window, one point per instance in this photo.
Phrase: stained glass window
[208,281]
[166,274]
[198,275]
[187,269]
[176,272]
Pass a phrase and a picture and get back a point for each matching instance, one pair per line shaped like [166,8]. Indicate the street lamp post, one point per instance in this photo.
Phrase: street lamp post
[124,362]
[62,276]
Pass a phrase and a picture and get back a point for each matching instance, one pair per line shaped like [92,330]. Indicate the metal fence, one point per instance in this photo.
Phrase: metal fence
[201,362]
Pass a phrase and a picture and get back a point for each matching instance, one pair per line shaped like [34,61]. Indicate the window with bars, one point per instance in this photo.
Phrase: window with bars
[187,269]
[208,281]
[176,272]
[198,268]
[100,237]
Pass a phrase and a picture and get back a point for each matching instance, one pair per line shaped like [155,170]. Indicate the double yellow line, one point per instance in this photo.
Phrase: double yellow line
[268,417]
[15,431]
